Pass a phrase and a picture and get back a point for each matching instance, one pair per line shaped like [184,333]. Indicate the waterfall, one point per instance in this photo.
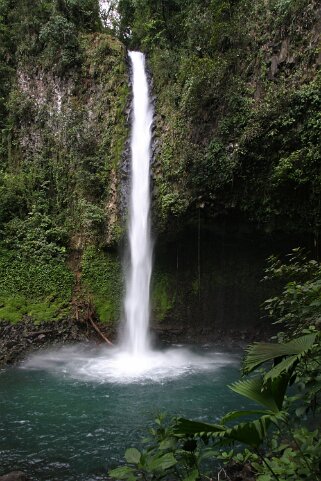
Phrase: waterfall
[137,297]
[133,360]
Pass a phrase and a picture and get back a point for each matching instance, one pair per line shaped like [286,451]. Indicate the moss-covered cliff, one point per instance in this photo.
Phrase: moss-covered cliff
[64,130]
[236,153]
[238,104]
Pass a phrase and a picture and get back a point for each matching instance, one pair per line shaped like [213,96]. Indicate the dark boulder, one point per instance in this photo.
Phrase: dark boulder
[14,476]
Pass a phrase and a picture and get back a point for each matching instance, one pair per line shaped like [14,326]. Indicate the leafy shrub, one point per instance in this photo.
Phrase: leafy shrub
[36,236]
[101,275]
[165,456]
[83,13]
[65,53]
[299,305]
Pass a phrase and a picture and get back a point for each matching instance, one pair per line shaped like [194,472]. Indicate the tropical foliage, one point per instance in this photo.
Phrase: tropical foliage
[61,143]
[238,102]
[279,438]
[237,89]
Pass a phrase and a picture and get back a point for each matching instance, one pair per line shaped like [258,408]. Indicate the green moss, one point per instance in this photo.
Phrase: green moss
[33,287]
[14,309]
[163,295]
[101,276]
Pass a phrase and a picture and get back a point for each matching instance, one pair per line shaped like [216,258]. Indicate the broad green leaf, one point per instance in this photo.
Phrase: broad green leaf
[123,473]
[132,456]
[161,463]
[169,443]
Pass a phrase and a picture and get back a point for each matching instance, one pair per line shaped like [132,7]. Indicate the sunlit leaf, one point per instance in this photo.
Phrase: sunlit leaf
[123,473]
[132,456]
[161,463]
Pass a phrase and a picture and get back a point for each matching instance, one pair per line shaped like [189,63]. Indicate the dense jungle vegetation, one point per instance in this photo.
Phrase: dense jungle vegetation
[64,89]
[237,97]
[238,106]
[237,132]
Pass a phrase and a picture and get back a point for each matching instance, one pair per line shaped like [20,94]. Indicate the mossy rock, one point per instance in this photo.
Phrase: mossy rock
[102,282]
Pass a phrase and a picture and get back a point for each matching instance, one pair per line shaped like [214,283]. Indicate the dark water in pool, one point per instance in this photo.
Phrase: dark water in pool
[55,425]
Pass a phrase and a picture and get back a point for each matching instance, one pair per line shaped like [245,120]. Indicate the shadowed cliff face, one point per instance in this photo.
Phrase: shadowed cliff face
[208,280]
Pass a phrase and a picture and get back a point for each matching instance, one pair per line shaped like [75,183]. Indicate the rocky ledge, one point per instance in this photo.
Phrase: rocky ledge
[14,476]
[16,340]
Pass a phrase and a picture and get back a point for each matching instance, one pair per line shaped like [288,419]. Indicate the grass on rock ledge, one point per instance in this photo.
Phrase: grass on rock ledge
[36,288]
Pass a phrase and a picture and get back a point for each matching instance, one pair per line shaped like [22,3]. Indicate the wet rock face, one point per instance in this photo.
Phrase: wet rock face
[207,283]
[14,476]
[18,339]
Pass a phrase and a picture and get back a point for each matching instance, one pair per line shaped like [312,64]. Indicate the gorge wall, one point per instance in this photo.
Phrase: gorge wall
[236,169]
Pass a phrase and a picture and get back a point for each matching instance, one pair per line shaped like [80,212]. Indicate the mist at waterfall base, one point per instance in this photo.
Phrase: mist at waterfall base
[65,416]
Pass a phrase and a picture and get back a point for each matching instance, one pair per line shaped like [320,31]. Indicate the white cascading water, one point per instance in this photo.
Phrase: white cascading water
[137,310]
[133,360]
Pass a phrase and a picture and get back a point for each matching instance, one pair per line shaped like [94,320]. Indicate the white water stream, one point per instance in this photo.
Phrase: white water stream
[137,309]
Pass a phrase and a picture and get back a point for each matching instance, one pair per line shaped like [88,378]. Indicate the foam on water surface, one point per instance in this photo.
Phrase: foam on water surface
[115,365]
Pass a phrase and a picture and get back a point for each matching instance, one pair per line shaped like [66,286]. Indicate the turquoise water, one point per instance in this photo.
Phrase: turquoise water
[59,423]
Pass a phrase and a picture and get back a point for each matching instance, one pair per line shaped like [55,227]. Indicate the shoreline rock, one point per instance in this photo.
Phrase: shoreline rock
[17,340]
[14,476]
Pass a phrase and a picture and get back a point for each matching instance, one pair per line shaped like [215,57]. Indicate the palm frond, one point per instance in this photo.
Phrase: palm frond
[285,366]
[260,353]
[255,390]
[251,433]
[231,416]
[186,426]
